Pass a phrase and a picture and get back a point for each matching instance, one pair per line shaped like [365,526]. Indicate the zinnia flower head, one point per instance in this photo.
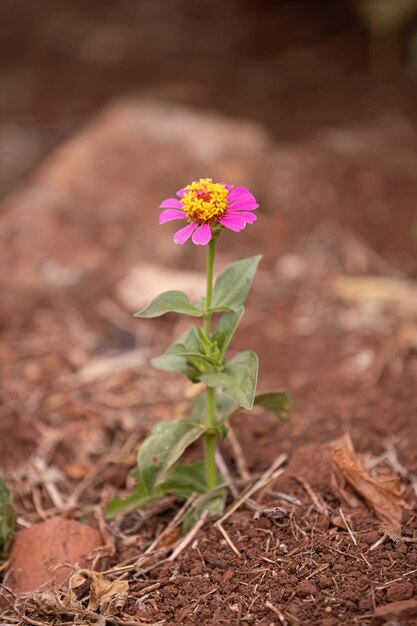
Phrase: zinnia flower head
[207,207]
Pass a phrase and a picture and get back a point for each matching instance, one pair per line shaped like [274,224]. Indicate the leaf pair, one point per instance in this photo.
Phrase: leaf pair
[277,402]
[229,293]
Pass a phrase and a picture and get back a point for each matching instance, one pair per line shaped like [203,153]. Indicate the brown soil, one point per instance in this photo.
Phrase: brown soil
[351,366]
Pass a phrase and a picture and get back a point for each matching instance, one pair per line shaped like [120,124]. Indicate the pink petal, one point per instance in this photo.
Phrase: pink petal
[171,214]
[202,235]
[181,192]
[171,203]
[247,216]
[185,233]
[233,223]
[237,192]
[244,204]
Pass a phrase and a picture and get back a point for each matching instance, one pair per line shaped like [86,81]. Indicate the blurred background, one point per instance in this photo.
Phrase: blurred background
[108,107]
[294,65]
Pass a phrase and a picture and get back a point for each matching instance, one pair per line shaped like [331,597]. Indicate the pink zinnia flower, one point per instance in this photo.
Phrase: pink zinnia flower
[206,205]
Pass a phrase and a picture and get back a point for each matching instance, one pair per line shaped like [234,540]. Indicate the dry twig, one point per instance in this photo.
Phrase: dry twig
[272,472]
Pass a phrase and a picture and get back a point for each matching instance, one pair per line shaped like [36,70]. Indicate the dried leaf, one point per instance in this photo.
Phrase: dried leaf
[380,494]
[76,580]
[55,602]
[106,596]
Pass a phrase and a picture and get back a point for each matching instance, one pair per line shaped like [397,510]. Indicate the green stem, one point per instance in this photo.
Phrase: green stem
[209,290]
[209,438]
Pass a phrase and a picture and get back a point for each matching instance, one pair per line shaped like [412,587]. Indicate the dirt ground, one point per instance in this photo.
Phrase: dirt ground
[333,313]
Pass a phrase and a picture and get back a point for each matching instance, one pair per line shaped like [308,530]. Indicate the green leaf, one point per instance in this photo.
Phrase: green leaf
[278,402]
[205,342]
[238,380]
[164,446]
[7,517]
[170,363]
[189,357]
[175,363]
[215,503]
[233,284]
[191,338]
[225,407]
[182,481]
[189,352]
[185,479]
[225,329]
[135,501]
[170,302]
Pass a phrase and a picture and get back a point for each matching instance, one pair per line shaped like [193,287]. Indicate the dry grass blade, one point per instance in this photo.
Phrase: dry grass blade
[228,540]
[189,536]
[173,524]
[272,472]
[277,612]
[224,470]
[348,528]
[319,505]
[241,464]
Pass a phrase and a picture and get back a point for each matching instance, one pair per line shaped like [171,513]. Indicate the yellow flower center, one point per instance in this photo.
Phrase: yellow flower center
[204,201]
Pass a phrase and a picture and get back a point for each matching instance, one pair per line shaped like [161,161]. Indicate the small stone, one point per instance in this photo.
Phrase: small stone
[338,567]
[306,588]
[41,547]
[228,575]
[370,537]
[401,590]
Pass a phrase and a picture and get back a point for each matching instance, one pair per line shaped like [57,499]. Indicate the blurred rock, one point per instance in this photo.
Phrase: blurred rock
[38,549]
[92,209]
